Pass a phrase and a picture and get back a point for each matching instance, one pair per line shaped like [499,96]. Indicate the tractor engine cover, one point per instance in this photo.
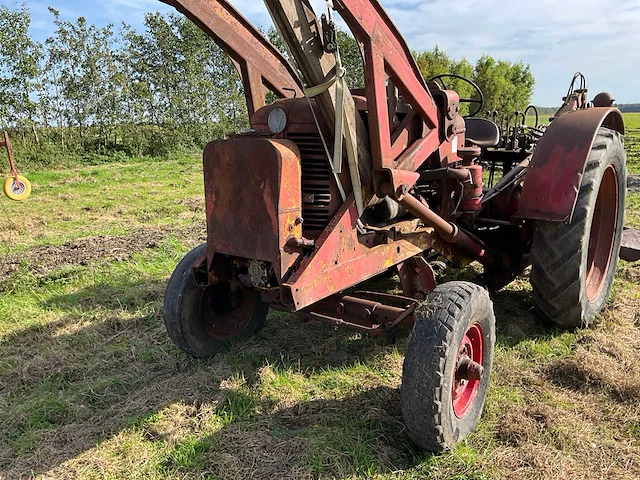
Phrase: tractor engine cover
[253,199]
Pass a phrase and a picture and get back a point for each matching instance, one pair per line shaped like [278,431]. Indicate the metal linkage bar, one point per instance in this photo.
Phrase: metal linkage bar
[361,314]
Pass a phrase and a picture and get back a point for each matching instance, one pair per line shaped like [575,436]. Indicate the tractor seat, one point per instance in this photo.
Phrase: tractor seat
[482,132]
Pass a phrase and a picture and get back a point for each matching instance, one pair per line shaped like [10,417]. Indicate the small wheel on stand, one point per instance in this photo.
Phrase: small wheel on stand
[201,321]
[18,191]
[447,366]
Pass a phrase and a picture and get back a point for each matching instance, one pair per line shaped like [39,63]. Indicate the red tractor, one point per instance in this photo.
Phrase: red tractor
[331,187]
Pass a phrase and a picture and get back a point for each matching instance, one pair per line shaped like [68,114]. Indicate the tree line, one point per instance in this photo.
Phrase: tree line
[629,107]
[95,93]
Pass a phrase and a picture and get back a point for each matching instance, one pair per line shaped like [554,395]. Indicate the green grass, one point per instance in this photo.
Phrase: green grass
[633,210]
[632,141]
[106,200]
[91,387]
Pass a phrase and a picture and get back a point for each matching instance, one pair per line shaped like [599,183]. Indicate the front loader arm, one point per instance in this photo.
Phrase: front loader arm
[407,129]
[300,29]
[384,157]
[387,56]
[259,63]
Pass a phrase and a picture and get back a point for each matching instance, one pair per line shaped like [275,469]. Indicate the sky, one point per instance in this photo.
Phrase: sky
[600,38]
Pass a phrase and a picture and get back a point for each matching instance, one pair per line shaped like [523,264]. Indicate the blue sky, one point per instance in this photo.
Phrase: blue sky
[601,38]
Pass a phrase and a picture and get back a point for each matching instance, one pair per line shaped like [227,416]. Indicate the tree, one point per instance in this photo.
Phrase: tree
[351,57]
[19,67]
[507,86]
[83,66]
[181,80]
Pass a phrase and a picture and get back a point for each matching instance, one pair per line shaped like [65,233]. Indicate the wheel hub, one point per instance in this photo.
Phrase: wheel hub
[18,188]
[226,309]
[469,370]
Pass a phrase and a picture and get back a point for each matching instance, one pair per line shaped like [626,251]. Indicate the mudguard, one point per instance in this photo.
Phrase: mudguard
[555,173]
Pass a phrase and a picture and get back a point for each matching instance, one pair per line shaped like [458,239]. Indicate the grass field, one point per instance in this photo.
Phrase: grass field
[91,386]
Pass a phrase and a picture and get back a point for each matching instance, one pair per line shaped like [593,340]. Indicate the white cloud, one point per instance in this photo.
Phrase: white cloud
[556,37]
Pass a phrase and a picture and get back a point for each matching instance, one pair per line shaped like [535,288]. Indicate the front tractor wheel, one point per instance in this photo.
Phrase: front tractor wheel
[447,366]
[573,265]
[203,320]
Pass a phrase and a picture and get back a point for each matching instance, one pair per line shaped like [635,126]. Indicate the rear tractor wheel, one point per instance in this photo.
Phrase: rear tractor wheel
[203,320]
[574,265]
[447,366]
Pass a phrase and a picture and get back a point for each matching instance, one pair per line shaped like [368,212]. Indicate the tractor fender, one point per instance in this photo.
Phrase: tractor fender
[552,183]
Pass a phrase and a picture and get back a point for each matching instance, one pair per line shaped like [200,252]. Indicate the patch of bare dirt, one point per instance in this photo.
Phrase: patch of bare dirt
[84,251]
[194,203]
[633,183]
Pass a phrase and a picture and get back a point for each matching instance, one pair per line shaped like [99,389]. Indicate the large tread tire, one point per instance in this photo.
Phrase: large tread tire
[183,313]
[441,323]
[559,251]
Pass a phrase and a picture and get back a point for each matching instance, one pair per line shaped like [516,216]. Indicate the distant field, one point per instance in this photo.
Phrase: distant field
[632,120]
[632,141]
[631,138]
[92,388]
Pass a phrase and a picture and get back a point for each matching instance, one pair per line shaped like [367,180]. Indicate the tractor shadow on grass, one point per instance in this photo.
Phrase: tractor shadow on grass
[516,320]
[107,367]
[358,435]
[572,375]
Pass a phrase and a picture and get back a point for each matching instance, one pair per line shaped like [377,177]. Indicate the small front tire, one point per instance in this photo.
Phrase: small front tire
[201,321]
[454,326]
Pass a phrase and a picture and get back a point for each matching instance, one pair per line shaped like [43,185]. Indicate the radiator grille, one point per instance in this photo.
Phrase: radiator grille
[316,182]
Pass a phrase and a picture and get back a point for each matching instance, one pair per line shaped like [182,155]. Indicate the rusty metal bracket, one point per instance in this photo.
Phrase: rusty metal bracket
[630,249]
[366,315]
[7,144]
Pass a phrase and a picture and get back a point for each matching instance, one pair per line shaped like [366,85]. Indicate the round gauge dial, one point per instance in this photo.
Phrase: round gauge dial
[277,120]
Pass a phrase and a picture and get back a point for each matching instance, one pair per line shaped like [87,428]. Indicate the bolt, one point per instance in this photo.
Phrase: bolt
[366,314]
[340,308]
[401,190]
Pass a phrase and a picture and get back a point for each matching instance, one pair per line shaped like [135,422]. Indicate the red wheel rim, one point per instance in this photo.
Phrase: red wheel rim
[602,235]
[464,391]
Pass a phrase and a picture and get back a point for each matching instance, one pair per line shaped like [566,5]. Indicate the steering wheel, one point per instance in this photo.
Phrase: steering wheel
[478,101]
